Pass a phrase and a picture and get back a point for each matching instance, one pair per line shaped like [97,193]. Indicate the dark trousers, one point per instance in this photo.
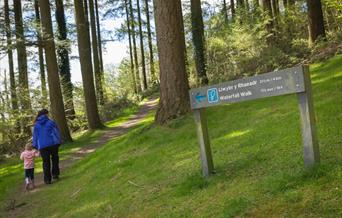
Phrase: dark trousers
[29,173]
[50,154]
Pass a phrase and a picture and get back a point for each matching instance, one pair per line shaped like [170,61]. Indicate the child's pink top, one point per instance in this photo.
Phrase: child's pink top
[28,157]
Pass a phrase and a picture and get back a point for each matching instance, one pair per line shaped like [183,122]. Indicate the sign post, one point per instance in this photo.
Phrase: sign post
[310,142]
[283,82]
[204,142]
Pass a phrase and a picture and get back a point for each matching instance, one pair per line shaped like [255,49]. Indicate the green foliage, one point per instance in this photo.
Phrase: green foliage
[241,47]
[15,123]
[120,92]
[323,49]
[120,84]
[11,168]
[116,108]
[334,9]
[117,104]
[154,171]
[245,46]
[119,80]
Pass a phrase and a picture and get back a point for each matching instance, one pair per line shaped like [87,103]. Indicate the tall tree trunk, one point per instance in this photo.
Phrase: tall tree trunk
[275,8]
[232,8]
[86,16]
[275,11]
[316,22]
[14,100]
[150,46]
[99,39]
[23,85]
[198,41]
[2,115]
[134,85]
[56,98]
[44,99]
[6,90]
[63,60]
[267,7]
[144,81]
[174,97]
[99,43]
[83,39]
[225,11]
[22,56]
[96,60]
[135,53]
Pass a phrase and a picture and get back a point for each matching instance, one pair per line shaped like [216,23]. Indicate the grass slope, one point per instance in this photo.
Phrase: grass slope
[11,170]
[155,171]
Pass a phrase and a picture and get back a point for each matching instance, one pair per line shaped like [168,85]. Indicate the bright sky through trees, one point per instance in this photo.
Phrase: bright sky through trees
[114,51]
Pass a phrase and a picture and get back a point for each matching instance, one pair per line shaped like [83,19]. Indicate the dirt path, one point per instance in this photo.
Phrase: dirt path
[14,207]
[112,133]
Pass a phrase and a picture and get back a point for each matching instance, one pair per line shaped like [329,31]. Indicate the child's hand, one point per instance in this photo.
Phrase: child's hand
[21,156]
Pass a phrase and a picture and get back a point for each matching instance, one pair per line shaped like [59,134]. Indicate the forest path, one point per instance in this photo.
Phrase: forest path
[15,207]
[111,133]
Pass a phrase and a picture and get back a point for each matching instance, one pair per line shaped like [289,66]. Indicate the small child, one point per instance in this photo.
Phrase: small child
[28,157]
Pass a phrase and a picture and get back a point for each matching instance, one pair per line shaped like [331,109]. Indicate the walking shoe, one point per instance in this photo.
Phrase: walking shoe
[27,184]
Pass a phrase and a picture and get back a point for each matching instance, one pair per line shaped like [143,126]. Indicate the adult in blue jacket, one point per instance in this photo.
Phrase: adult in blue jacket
[46,138]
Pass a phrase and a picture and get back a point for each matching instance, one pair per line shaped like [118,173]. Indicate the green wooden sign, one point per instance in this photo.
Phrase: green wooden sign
[283,82]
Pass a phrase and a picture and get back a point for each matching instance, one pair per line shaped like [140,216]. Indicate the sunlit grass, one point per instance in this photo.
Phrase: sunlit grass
[154,171]
[12,175]
[236,134]
[125,116]
[11,170]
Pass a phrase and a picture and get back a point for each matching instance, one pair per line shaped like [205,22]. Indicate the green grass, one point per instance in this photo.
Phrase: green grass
[11,169]
[125,115]
[12,173]
[154,171]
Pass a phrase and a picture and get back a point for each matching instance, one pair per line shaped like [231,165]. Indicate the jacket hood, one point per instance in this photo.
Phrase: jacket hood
[42,119]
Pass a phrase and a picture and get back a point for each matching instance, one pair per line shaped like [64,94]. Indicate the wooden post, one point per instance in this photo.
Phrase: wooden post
[204,141]
[306,108]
